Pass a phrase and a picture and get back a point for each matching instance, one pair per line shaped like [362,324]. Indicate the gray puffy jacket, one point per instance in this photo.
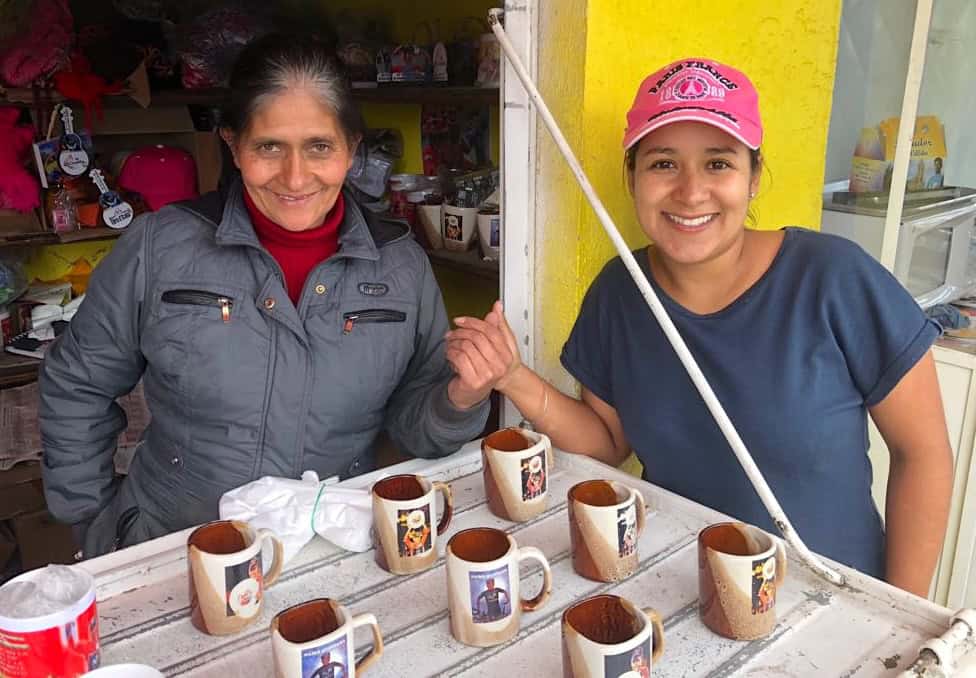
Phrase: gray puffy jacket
[240,383]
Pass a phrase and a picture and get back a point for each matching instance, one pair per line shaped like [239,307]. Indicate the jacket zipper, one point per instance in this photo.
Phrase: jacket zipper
[200,298]
[371,315]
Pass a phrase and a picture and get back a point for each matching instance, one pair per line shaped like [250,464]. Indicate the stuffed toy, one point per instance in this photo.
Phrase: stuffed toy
[79,83]
[19,189]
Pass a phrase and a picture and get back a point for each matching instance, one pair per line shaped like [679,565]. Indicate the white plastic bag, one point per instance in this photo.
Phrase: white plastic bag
[285,506]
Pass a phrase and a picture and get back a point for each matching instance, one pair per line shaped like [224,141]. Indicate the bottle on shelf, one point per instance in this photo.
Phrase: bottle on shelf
[62,210]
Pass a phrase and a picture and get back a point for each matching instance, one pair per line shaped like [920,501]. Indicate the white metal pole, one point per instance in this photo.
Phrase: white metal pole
[891,235]
[711,401]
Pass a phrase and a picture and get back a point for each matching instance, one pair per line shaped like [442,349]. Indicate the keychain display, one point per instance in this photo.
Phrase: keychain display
[116,213]
[73,158]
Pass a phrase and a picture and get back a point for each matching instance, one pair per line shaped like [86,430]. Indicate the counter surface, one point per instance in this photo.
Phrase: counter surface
[865,629]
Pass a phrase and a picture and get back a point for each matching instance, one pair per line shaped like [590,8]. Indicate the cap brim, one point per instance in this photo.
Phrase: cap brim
[631,139]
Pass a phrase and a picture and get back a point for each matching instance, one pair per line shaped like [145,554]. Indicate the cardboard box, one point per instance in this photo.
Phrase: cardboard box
[21,490]
[126,129]
[43,540]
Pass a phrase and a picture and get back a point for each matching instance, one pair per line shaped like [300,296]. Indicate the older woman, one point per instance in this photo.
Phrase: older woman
[277,328]
[801,335]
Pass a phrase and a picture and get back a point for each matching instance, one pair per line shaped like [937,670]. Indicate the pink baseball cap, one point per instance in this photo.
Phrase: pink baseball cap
[699,90]
[161,174]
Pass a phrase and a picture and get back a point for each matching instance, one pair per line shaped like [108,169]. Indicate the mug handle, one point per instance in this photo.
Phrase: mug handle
[780,561]
[532,553]
[657,630]
[641,511]
[550,456]
[279,556]
[445,489]
[377,649]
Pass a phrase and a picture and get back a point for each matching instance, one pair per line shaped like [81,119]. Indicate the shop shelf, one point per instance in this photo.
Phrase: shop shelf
[209,97]
[466,262]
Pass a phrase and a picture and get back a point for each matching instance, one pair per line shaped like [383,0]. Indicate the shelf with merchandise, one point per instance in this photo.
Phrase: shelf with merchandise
[392,93]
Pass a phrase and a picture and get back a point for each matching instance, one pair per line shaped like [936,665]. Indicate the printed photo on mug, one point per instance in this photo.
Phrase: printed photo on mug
[533,476]
[634,663]
[627,530]
[490,597]
[413,531]
[326,661]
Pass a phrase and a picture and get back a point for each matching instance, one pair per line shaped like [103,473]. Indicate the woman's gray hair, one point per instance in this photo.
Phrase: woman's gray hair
[276,63]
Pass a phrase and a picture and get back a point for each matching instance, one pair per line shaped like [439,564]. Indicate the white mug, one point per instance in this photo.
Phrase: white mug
[226,575]
[606,636]
[405,526]
[517,464]
[740,567]
[483,585]
[318,635]
[605,520]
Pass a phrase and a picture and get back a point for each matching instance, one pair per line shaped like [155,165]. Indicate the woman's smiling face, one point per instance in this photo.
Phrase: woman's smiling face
[293,158]
[691,184]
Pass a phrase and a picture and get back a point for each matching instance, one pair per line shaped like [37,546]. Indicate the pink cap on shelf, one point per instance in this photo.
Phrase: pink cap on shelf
[161,174]
[698,90]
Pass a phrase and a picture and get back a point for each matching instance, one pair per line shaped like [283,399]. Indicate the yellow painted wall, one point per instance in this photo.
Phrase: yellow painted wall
[788,48]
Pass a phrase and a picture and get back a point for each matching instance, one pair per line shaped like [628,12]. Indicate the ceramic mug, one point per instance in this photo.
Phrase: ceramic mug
[227,577]
[739,569]
[606,636]
[404,522]
[429,217]
[460,224]
[483,585]
[516,464]
[606,519]
[317,638]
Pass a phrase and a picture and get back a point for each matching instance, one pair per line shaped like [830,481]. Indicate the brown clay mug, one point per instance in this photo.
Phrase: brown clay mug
[483,585]
[606,519]
[405,530]
[739,569]
[607,636]
[516,464]
[316,638]
[226,575]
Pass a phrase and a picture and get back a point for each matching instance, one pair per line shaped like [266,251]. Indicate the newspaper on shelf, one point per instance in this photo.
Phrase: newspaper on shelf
[21,440]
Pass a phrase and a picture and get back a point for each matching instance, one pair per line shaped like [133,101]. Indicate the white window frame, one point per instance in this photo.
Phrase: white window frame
[518,158]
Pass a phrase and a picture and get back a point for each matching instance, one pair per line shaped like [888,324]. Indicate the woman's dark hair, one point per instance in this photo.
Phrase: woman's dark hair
[277,62]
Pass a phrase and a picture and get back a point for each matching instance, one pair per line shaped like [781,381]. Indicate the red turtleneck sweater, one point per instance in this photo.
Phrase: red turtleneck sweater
[298,252]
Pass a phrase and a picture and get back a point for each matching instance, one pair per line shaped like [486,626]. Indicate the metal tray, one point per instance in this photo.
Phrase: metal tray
[916,202]
[864,629]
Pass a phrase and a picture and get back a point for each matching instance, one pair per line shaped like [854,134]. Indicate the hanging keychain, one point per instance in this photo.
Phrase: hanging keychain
[73,159]
[116,213]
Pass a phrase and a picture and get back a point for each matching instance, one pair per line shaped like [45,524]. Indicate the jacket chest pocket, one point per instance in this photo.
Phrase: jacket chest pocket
[370,315]
[376,343]
[212,340]
[201,299]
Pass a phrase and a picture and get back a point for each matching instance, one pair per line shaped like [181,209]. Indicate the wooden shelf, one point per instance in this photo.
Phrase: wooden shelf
[50,238]
[17,370]
[466,262]
[393,93]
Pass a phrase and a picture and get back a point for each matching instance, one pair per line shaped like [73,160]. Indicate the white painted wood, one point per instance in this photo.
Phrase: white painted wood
[957,385]
[906,131]
[823,630]
[518,152]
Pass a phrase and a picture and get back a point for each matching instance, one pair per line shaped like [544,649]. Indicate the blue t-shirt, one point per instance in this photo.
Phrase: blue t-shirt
[795,360]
